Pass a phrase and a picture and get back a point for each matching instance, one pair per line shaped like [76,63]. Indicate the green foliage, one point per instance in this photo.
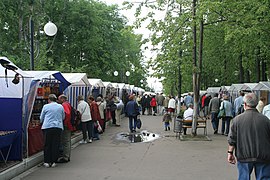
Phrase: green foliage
[92,37]
[232,29]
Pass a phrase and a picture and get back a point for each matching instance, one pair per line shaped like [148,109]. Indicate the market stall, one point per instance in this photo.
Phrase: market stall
[47,82]
[262,89]
[14,87]
[248,87]
[109,89]
[225,89]
[79,86]
[122,90]
[234,91]
[97,87]
[116,89]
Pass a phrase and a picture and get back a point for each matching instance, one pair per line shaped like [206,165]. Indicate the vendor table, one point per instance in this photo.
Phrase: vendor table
[35,140]
[6,140]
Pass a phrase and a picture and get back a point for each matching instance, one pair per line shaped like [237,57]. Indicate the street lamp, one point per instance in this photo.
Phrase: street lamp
[127,74]
[50,29]
[115,73]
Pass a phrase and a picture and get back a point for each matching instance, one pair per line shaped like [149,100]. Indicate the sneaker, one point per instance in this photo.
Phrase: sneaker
[46,165]
[53,165]
[89,140]
[83,142]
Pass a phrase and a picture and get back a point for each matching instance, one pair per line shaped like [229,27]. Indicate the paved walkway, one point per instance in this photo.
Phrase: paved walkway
[166,158]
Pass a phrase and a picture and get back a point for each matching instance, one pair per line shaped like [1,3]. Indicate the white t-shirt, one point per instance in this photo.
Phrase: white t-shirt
[171,103]
[188,114]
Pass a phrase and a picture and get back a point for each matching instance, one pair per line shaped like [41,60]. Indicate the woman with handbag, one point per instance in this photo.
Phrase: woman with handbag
[227,108]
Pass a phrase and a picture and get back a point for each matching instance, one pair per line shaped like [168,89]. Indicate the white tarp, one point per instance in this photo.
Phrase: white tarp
[9,89]
[262,86]
[107,84]
[115,85]
[213,89]
[122,86]
[248,86]
[75,79]
[96,82]
[235,87]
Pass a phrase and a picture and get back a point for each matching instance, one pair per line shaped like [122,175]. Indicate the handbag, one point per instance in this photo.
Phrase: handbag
[222,112]
[98,127]
[139,123]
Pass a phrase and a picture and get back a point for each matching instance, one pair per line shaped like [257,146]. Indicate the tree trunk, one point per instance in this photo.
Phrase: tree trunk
[195,70]
[241,69]
[264,75]
[258,65]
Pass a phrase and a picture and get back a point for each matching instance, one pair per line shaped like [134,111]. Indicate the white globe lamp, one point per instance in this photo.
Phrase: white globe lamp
[50,29]
[115,73]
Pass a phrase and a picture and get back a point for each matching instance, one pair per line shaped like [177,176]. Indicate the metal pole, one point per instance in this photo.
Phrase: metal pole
[31,25]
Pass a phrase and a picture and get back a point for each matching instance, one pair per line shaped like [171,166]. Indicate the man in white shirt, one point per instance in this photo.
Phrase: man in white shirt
[171,106]
[266,111]
[188,115]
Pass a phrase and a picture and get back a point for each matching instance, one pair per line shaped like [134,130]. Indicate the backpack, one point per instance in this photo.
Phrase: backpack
[240,109]
[75,117]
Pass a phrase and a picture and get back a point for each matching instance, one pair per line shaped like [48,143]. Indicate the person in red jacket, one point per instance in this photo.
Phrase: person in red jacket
[153,104]
[66,133]
[95,115]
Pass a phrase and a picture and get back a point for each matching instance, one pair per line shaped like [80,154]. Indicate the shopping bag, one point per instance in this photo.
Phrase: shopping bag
[221,113]
[139,122]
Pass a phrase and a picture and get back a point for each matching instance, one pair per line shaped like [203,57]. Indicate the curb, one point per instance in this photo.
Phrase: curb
[31,162]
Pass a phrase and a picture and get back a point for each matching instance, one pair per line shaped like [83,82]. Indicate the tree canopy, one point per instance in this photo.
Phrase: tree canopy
[235,46]
[92,37]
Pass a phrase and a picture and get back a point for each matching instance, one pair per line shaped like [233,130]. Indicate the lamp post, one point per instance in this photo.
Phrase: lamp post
[127,74]
[115,73]
[50,29]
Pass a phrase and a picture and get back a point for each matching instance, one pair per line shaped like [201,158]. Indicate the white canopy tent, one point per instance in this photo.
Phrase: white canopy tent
[109,89]
[97,87]
[248,86]
[79,86]
[13,98]
[9,89]
[212,90]
[262,86]
[262,89]
[96,83]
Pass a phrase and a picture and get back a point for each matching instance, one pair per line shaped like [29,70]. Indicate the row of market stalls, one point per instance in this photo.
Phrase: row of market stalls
[21,103]
[261,89]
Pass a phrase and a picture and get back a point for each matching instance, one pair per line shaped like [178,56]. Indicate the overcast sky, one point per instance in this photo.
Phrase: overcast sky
[152,82]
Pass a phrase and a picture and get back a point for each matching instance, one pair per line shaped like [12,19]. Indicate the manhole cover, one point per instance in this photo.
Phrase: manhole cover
[143,136]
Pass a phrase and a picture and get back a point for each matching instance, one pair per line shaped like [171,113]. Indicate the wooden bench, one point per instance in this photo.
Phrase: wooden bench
[201,123]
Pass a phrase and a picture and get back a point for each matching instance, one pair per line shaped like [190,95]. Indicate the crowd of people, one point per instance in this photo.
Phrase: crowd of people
[248,134]
[56,118]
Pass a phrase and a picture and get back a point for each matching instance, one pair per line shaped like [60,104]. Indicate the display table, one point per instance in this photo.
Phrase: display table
[6,140]
[35,140]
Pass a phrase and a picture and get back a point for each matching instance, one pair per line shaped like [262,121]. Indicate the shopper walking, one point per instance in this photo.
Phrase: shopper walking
[86,120]
[153,104]
[228,115]
[214,110]
[160,101]
[51,117]
[132,111]
[102,112]
[249,139]
[95,116]
[66,133]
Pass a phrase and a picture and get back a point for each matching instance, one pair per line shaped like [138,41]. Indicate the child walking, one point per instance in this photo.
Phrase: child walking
[167,119]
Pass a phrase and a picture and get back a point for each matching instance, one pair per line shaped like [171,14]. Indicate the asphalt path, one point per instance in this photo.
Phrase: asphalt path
[166,158]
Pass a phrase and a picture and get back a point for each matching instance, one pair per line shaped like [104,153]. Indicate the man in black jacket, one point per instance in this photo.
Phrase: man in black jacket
[250,138]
